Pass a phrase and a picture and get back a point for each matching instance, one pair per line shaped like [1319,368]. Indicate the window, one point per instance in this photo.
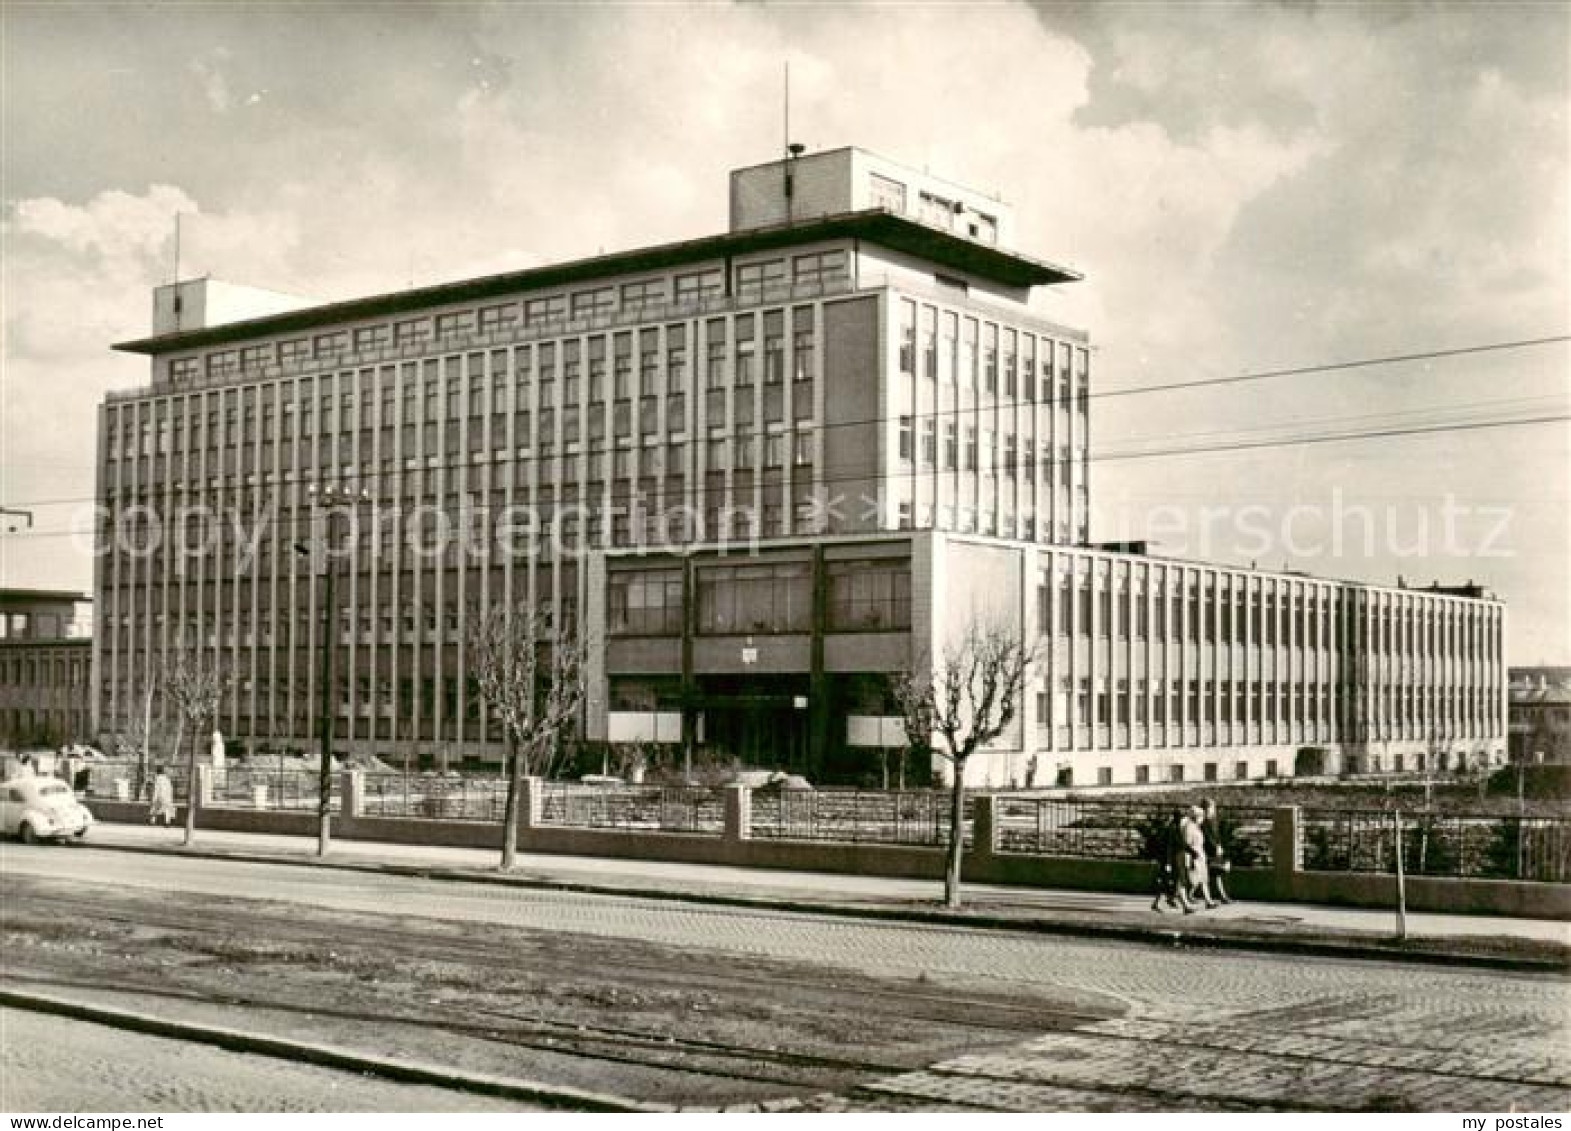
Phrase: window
[715,354]
[746,349]
[822,271]
[455,324]
[737,600]
[882,192]
[371,338]
[648,603]
[635,296]
[870,595]
[698,286]
[1142,775]
[545,310]
[495,318]
[754,280]
[774,347]
[907,336]
[802,449]
[411,332]
[256,357]
[186,368]
[1270,767]
[1241,770]
[802,343]
[595,303]
[907,437]
[929,442]
[331,345]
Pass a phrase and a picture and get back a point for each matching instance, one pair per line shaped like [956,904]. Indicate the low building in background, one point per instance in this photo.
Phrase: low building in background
[1540,715]
[46,651]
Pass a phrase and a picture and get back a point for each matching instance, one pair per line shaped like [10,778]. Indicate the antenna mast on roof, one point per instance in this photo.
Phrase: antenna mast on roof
[793,150]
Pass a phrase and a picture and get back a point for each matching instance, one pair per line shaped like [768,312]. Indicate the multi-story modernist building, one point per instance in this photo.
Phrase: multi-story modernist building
[763,470]
[46,695]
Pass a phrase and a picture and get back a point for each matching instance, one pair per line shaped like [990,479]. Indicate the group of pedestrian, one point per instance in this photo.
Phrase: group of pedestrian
[1191,861]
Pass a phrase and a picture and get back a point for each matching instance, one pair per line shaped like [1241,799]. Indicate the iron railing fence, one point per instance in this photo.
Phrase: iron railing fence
[1116,830]
[857,816]
[1458,845]
[643,808]
[269,787]
[437,797]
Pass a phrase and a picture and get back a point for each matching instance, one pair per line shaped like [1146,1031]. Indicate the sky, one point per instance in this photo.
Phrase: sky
[1246,188]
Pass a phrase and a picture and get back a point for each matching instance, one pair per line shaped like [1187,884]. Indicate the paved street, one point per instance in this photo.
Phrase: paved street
[1199,1028]
[55,1064]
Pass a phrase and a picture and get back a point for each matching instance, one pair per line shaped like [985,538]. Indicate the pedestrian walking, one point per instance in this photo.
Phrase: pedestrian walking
[163,802]
[1217,863]
[1193,878]
[1169,865]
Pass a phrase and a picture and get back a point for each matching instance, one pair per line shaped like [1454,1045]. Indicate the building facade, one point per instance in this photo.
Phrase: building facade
[1540,715]
[46,692]
[862,363]
[1151,670]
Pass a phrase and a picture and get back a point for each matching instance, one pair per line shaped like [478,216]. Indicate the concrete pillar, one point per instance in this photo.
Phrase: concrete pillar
[1285,845]
[202,795]
[531,803]
[738,813]
[984,824]
[351,793]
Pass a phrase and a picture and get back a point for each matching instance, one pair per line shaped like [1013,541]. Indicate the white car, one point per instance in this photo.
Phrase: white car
[41,808]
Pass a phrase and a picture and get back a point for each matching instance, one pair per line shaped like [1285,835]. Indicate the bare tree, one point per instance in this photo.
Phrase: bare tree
[192,684]
[968,699]
[530,672]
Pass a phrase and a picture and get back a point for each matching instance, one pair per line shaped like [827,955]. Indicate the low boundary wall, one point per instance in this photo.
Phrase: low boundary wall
[734,846]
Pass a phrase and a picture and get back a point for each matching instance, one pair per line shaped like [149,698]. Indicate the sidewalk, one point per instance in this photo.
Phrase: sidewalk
[1303,928]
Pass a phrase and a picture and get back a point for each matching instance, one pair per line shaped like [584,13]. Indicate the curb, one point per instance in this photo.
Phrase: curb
[1322,947]
[326,1056]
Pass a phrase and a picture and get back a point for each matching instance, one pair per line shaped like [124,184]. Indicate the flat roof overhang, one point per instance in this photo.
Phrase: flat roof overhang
[877,226]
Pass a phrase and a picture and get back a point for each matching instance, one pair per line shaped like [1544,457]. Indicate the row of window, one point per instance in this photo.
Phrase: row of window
[1231,610]
[1158,702]
[812,273]
[35,672]
[981,450]
[742,350]
[947,347]
[761,599]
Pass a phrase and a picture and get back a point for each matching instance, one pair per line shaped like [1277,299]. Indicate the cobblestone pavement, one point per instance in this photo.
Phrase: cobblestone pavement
[58,1064]
[1206,1030]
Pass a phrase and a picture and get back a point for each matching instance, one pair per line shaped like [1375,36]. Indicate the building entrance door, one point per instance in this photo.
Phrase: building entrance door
[759,722]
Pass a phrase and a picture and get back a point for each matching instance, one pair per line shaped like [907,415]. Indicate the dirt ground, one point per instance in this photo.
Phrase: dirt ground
[641,1020]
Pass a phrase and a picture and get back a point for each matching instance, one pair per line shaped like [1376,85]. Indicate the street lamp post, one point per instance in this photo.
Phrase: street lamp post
[328,496]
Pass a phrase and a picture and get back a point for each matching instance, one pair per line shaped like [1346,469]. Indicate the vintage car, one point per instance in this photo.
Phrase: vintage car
[41,808]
